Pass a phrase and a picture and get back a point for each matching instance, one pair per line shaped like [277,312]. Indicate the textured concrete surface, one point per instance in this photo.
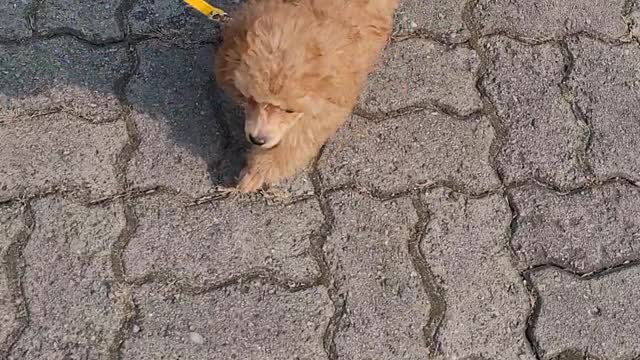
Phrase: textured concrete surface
[384,306]
[483,202]
[410,75]
[610,102]
[594,315]
[75,309]
[222,240]
[484,305]
[585,231]
[553,19]
[14,19]
[95,20]
[418,148]
[543,139]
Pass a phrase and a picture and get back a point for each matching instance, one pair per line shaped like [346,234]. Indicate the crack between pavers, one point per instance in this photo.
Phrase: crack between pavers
[124,291]
[263,274]
[534,301]
[533,291]
[377,194]
[317,249]
[424,34]
[120,88]
[585,275]
[30,15]
[534,297]
[56,109]
[631,24]
[496,146]
[133,39]
[122,14]
[435,293]
[555,39]
[12,263]
[488,108]
[432,106]
[579,115]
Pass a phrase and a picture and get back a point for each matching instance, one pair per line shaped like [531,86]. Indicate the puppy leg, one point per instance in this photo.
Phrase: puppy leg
[271,166]
[294,153]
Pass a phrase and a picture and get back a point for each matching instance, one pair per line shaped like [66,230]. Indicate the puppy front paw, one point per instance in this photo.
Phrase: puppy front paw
[251,180]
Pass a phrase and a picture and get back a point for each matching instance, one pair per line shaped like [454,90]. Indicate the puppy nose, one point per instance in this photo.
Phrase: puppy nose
[257,140]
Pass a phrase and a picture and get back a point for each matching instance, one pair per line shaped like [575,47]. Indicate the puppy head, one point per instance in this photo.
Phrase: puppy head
[266,124]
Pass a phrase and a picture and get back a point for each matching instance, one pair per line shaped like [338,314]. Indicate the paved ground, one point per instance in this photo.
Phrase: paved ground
[482,203]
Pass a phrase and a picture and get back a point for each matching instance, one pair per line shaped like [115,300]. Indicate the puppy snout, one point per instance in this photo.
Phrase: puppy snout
[257,140]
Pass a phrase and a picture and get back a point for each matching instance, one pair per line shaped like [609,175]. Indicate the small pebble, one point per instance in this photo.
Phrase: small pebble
[136,329]
[196,338]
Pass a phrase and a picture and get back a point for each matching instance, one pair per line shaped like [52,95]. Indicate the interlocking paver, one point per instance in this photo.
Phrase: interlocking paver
[419,72]
[13,225]
[59,152]
[543,138]
[14,23]
[441,19]
[251,321]
[416,148]
[74,307]
[551,19]
[61,73]
[589,230]
[466,246]
[606,83]
[94,20]
[386,306]
[223,239]
[179,122]
[595,316]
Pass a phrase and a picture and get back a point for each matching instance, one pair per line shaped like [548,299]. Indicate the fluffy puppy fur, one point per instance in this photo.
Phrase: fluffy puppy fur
[298,67]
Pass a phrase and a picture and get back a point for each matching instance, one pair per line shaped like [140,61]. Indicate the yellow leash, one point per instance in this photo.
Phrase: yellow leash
[208,10]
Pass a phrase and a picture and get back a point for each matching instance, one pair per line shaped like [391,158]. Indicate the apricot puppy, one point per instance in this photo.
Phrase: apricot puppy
[298,66]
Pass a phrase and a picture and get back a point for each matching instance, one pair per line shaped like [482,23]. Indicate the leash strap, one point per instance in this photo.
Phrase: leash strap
[208,10]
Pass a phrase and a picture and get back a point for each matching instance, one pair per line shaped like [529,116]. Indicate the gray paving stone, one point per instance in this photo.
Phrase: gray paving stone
[633,21]
[251,321]
[439,18]
[551,19]
[175,22]
[367,253]
[543,138]
[222,239]
[59,151]
[598,316]
[180,121]
[94,20]
[606,83]
[13,20]
[13,225]
[585,231]
[60,73]
[465,245]
[418,72]
[74,309]
[417,148]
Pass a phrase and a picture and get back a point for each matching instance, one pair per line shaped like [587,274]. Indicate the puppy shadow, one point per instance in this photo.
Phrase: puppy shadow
[194,113]
[185,125]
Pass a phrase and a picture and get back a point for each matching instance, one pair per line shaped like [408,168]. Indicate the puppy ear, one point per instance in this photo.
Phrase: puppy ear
[240,80]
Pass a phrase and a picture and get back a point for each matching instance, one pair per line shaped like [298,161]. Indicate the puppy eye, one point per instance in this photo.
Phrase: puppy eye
[289,111]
